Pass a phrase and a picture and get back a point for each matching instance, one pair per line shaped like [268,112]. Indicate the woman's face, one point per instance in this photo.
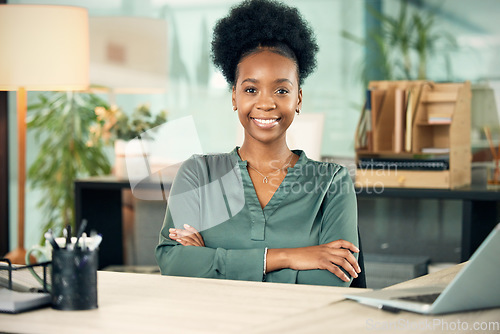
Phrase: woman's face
[267,96]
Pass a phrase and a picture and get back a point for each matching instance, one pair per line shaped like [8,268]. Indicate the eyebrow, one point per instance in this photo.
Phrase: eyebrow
[276,81]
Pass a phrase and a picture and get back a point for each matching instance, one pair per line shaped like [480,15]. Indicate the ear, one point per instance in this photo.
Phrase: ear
[233,98]
[299,102]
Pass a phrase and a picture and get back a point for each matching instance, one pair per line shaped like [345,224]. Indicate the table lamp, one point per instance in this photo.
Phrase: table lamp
[44,48]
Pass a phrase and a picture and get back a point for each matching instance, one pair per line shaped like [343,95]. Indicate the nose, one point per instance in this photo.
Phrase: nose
[265,101]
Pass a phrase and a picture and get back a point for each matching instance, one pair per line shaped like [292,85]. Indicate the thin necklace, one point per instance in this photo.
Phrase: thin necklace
[265,180]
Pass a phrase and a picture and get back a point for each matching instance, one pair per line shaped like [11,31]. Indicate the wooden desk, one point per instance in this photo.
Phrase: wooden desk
[348,316]
[138,303]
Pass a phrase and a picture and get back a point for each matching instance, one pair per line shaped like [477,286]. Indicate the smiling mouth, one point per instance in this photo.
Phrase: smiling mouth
[266,122]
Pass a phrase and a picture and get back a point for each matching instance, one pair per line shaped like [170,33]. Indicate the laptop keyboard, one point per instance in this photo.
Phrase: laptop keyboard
[425,299]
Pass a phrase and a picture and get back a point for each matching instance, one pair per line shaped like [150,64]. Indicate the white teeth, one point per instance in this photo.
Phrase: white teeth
[266,121]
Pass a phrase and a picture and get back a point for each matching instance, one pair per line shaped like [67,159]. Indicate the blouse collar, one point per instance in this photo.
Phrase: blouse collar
[243,163]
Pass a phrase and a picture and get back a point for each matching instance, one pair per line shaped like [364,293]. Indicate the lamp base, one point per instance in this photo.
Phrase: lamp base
[17,256]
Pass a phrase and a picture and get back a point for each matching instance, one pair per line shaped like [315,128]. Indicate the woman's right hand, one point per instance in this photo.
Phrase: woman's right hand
[330,256]
[189,236]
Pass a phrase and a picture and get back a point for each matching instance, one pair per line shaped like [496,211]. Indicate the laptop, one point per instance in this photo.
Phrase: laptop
[476,286]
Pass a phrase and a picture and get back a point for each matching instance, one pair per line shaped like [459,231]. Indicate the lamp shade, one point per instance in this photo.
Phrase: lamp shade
[44,47]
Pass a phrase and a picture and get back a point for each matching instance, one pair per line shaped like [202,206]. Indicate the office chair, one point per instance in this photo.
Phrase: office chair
[360,281]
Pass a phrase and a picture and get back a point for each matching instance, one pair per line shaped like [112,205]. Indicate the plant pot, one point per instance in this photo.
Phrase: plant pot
[131,159]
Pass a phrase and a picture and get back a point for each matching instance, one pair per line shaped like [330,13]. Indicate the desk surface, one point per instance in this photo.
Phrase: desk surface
[138,303]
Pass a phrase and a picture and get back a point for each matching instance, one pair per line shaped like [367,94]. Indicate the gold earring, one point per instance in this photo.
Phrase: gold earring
[234,108]
[298,111]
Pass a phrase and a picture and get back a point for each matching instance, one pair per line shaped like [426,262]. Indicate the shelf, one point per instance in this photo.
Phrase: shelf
[394,155]
[402,110]
[432,124]
[440,97]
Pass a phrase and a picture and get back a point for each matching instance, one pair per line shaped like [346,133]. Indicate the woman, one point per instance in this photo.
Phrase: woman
[262,212]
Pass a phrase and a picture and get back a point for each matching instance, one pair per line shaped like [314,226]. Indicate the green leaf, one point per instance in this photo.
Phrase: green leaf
[63,119]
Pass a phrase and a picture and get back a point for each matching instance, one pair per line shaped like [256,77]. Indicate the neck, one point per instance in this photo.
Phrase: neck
[265,157]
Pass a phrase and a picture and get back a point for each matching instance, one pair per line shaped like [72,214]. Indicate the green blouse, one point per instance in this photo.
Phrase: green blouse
[314,204]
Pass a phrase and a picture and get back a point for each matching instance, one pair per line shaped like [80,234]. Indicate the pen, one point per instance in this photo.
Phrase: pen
[82,228]
[84,241]
[96,241]
[48,235]
[65,236]
[68,237]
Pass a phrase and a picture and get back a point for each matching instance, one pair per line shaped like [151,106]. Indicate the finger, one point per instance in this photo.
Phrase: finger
[352,259]
[343,244]
[195,231]
[191,240]
[175,233]
[345,253]
[175,237]
[190,228]
[172,233]
[180,233]
[179,230]
[343,262]
[183,233]
[337,272]
[191,237]
[186,242]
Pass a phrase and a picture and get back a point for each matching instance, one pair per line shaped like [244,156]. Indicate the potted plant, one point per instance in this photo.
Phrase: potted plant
[404,44]
[62,123]
[127,133]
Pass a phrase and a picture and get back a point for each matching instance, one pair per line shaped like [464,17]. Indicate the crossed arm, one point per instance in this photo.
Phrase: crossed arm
[329,256]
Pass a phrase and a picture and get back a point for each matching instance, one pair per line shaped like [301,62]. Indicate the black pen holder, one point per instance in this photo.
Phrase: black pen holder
[74,279]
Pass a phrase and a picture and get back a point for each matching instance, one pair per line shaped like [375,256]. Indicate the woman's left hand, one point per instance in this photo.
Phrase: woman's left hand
[188,236]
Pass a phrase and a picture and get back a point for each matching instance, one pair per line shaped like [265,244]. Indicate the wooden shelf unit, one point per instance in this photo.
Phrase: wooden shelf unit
[449,103]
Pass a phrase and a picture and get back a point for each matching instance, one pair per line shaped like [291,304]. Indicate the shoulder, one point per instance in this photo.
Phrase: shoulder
[329,168]
[201,160]
[333,178]
[322,169]
[213,161]
[208,167]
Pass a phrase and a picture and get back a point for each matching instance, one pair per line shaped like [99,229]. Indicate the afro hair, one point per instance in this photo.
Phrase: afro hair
[263,23]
